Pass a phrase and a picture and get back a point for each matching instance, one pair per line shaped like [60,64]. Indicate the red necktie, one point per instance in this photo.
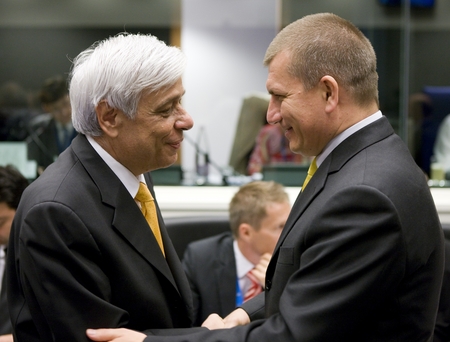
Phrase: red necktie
[254,289]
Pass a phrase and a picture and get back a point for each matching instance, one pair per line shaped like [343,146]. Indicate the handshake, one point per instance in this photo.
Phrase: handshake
[214,321]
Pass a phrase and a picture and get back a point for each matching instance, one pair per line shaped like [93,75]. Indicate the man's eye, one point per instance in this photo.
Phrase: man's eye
[165,111]
[277,97]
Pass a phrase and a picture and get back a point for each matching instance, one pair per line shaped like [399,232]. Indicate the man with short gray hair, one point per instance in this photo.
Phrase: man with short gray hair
[88,247]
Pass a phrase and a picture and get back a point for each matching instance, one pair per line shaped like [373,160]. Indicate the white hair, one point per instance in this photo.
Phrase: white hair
[119,70]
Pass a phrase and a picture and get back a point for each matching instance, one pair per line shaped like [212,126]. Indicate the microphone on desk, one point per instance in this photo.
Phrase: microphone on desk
[202,157]
[203,160]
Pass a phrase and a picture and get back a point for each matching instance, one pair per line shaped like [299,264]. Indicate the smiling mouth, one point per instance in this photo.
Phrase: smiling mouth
[177,144]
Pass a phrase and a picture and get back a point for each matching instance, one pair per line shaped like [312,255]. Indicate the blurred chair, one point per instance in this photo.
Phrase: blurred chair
[251,118]
[185,229]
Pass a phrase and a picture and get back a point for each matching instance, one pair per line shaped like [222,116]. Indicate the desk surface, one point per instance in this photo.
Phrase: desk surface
[212,200]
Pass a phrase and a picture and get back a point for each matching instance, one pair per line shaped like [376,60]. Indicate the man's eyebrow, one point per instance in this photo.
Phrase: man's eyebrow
[171,99]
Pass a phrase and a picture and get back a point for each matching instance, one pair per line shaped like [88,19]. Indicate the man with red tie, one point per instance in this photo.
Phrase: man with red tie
[228,269]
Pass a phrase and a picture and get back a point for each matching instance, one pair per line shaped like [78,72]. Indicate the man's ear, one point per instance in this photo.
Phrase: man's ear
[245,231]
[330,89]
[108,118]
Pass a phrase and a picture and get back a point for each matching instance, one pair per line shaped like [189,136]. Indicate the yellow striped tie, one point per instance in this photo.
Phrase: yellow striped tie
[148,208]
[312,169]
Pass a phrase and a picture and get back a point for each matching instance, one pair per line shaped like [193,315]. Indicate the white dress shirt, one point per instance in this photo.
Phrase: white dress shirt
[130,181]
[344,135]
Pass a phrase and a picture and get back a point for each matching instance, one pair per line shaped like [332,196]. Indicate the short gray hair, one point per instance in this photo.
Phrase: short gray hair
[119,70]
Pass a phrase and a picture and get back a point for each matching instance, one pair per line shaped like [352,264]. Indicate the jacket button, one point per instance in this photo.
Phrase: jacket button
[268,285]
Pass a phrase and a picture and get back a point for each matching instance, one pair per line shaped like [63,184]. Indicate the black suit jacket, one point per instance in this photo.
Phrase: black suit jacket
[442,328]
[82,255]
[5,321]
[211,270]
[360,257]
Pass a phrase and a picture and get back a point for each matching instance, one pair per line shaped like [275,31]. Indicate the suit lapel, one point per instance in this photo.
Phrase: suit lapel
[175,269]
[138,233]
[303,200]
[114,194]
[358,141]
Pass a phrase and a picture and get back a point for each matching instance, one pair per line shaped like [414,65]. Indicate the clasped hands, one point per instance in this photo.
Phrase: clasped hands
[214,321]
[239,316]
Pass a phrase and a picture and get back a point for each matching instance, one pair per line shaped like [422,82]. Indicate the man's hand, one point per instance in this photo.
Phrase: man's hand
[260,269]
[214,321]
[236,317]
[6,338]
[115,335]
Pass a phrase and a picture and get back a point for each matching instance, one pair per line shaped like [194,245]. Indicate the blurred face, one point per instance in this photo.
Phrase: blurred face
[300,113]
[60,110]
[152,140]
[6,218]
[265,238]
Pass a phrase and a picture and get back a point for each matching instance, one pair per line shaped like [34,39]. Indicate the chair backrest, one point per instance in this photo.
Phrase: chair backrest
[251,119]
[183,230]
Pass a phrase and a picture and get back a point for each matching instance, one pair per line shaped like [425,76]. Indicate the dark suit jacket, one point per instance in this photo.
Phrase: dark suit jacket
[82,255]
[211,270]
[361,254]
[43,143]
[442,328]
[5,321]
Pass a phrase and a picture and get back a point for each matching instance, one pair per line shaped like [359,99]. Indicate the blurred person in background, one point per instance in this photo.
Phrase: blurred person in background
[52,132]
[15,112]
[226,270]
[271,147]
[12,185]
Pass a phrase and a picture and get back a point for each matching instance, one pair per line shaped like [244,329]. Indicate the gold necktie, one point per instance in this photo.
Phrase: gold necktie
[148,208]
[312,169]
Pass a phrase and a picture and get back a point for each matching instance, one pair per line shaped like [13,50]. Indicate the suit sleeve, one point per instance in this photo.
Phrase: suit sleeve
[61,259]
[352,256]
[255,307]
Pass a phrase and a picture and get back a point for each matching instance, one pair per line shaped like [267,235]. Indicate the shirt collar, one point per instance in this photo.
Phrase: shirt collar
[345,134]
[243,265]
[130,181]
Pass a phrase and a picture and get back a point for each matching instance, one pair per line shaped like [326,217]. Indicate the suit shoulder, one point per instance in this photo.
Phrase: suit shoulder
[206,245]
